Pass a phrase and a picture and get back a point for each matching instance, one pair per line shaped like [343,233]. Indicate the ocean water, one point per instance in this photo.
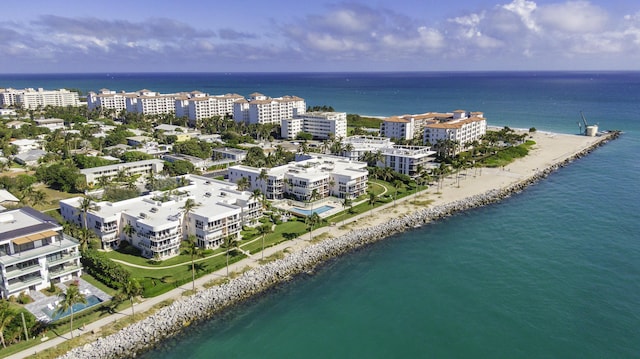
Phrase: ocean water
[551,272]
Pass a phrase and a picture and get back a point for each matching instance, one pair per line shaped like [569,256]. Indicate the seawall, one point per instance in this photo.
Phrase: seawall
[168,321]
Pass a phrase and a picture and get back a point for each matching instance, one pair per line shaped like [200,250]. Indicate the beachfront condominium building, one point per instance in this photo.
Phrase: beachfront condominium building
[402,159]
[199,106]
[263,110]
[157,223]
[34,252]
[326,175]
[407,160]
[142,168]
[108,99]
[463,128]
[355,147]
[322,125]
[148,102]
[407,127]
[34,98]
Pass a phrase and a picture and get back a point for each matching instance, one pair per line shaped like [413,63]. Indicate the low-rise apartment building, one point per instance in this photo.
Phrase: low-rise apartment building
[157,223]
[130,168]
[327,175]
[34,252]
[407,160]
[355,147]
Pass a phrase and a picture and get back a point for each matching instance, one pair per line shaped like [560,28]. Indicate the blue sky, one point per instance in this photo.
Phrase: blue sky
[277,35]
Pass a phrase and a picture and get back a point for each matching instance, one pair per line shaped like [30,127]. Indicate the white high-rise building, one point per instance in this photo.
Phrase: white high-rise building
[108,99]
[262,109]
[31,98]
[203,106]
[320,124]
[151,103]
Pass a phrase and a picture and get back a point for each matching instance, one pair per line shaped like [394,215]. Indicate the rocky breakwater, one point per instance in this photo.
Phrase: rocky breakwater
[169,320]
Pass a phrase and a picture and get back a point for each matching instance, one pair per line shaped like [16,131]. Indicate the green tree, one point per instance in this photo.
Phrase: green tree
[396,184]
[346,202]
[243,183]
[6,317]
[311,221]
[263,230]
[131,289]
[86,204]
[189,205]
[230,244]
[372,199]
[129,231]
[194,251]
[70,297]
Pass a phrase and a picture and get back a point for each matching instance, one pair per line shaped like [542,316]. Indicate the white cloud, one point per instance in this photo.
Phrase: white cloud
[524,9]
[572,17]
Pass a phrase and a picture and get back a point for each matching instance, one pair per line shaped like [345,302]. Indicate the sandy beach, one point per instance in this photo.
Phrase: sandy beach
[551,149]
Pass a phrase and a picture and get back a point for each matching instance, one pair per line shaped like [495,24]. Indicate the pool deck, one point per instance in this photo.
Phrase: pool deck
[42,301]
[331,202]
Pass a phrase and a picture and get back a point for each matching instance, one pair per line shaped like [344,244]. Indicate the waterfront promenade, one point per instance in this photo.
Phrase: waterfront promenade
[551,149]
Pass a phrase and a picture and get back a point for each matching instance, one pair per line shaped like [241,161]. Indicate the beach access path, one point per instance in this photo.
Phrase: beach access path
[550,149]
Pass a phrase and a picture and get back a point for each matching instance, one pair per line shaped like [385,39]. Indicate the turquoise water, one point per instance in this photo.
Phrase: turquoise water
[306,212]
[552,272]
[78,307]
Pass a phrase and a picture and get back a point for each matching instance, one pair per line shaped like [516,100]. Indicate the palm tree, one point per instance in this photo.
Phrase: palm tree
[313,197]
[372,199]
[260,197]
[263,230]
[192,249]
[189,205]
[230,243]
[129,231]
[70,297]
[346,202]
[311,221]
[6,317]
[396,184]
[38,197]
[243,183]
[263,176]
[131,289]
[86,204]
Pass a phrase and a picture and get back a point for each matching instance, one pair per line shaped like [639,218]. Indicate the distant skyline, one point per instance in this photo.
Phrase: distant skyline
[307,36]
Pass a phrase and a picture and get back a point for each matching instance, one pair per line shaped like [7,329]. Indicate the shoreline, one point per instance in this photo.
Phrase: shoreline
[477,192]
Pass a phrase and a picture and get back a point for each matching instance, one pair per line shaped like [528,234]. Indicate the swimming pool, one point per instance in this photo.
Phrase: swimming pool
[55,315]
[306,212]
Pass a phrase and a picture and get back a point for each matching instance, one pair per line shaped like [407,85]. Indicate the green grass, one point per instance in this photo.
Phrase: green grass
[504,156]
[359,121]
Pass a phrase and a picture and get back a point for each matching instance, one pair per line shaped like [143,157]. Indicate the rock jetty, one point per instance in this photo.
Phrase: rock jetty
[169,320]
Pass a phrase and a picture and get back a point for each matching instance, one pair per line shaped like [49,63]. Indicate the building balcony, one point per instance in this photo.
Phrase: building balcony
[63,270]
[109,229]
[16,286]
[162,247]
[63,259]
[15,272]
